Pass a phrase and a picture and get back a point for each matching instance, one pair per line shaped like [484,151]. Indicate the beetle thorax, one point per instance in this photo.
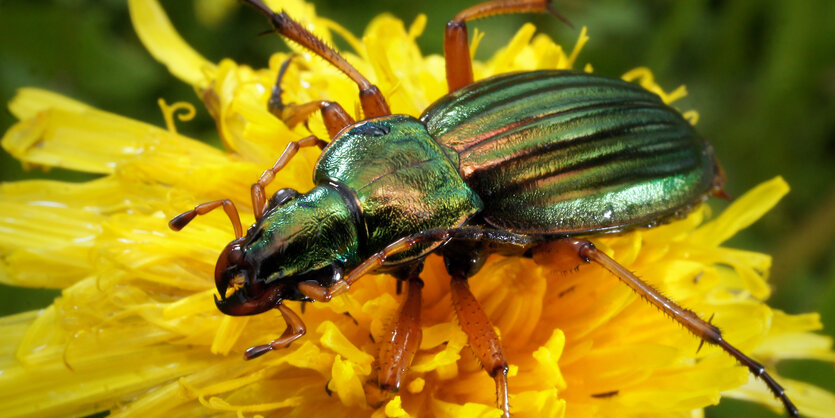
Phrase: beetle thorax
[308,233]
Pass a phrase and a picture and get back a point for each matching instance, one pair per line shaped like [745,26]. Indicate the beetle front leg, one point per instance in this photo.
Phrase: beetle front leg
[459,67]
[259,197]
[295,329]
[371,99]
[335,117]
[587,252]
[481,337]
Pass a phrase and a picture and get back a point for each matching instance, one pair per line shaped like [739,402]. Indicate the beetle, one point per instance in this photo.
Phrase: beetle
[520,164]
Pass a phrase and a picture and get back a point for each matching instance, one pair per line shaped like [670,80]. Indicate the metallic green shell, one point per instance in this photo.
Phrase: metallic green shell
[558,152]
[403,180]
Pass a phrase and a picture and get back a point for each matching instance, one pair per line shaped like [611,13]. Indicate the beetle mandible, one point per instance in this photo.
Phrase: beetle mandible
[518,164]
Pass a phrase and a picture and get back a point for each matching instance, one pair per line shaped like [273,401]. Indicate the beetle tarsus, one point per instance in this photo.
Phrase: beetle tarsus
[257,351]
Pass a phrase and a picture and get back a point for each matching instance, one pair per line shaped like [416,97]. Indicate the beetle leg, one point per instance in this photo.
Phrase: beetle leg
[259,197]
[399,348]
[333,114]
[295,329]
[372,100]
[404,244]
[178,222]
[459,68]
[481,337]
[587,252]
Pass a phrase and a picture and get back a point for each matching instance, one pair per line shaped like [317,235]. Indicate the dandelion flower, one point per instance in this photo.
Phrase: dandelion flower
[135,331]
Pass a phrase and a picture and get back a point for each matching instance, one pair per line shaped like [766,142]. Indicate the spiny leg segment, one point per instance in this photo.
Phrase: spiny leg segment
[371,99]
[587,252]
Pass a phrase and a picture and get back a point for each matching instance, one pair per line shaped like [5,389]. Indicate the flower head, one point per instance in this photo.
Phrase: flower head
[135,330]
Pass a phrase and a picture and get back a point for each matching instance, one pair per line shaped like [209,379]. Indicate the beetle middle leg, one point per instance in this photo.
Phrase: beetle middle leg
[334,115]
[587,252]
[481,337]
[398,349]
[463,258]
[459,68]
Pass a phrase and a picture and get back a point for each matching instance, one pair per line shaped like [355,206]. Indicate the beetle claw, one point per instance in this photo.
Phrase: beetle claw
[257,351]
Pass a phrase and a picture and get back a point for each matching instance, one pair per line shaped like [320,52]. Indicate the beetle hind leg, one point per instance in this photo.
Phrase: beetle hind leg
[459,67]
[587,252]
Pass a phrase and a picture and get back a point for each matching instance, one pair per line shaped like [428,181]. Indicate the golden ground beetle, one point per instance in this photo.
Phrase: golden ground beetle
[517,164]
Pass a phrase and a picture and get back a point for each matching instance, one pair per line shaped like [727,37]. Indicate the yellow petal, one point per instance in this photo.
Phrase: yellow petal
[743,212]
[165,44]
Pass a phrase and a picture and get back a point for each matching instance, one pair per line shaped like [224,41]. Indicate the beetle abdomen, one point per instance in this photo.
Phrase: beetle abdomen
[558,152]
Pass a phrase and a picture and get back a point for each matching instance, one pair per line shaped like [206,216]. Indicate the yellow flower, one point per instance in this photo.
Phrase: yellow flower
[135,330]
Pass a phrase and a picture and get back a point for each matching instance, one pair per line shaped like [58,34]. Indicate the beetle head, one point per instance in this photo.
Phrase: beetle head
[250,296]
[299,238]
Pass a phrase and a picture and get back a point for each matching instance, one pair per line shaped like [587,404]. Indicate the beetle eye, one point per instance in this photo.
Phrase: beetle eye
[373,130]
[282,196]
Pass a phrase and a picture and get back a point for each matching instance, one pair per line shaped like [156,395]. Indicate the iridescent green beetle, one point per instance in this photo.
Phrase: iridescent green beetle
[518,164]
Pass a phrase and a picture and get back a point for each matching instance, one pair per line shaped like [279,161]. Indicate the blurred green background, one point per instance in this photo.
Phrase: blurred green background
[761,73]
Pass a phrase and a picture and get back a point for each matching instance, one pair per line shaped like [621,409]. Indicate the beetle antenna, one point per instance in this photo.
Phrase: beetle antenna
[178,222]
